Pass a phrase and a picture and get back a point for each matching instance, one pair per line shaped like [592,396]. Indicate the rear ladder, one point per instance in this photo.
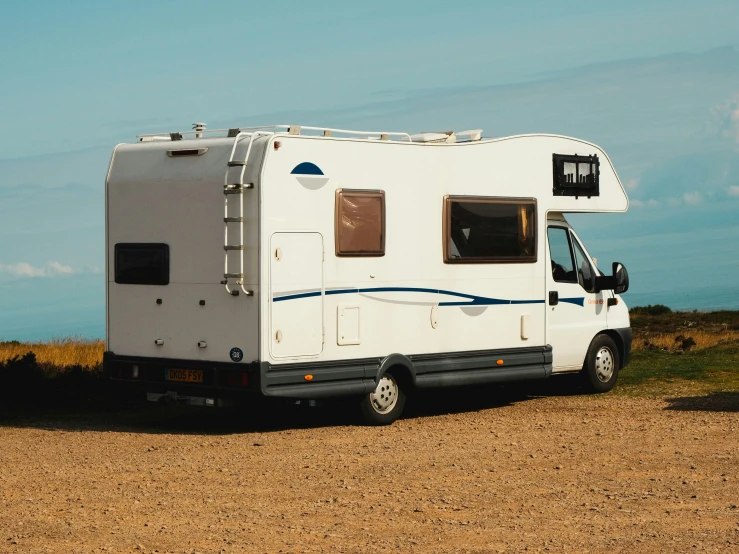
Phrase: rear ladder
[234,188]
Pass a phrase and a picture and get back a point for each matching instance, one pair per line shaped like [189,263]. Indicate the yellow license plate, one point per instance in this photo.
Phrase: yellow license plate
[184,375]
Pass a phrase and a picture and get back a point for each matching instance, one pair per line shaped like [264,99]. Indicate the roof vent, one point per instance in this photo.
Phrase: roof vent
[471,135]
[198,128]
[446,136]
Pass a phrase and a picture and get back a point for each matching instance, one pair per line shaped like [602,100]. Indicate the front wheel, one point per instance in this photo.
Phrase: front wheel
[601,364]
[385,404]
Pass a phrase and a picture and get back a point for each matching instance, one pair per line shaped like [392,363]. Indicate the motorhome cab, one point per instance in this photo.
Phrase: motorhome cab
[309,263]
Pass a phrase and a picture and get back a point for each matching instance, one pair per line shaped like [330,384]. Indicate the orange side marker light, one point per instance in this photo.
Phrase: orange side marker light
[500,362]
[309,377]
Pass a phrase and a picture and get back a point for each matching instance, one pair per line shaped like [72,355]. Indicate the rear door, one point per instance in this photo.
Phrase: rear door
[296,295]
[575,314]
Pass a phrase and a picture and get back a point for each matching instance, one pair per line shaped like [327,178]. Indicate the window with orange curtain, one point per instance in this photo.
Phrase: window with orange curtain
[489,230]
[360,223]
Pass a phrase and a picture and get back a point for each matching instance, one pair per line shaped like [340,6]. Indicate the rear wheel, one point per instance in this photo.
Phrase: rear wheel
[385,404]
[601,364]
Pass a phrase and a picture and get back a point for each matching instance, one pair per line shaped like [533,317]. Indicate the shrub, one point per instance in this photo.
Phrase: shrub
[656,309]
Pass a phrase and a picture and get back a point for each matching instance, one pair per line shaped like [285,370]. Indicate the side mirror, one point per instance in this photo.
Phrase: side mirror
[618,282]
[621,277]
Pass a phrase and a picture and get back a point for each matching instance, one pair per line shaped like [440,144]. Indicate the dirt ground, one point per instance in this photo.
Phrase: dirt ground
[487,470]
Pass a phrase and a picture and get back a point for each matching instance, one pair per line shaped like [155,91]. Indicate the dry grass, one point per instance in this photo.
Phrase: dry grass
[684,339]
[59,352]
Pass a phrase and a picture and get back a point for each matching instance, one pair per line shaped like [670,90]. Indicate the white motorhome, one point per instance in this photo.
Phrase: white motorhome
[309,263]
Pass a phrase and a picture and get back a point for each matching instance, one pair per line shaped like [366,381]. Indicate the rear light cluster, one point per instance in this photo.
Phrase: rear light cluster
[234,379]
[126,371]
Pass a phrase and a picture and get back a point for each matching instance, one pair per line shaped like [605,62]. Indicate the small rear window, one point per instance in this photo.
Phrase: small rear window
[142,264]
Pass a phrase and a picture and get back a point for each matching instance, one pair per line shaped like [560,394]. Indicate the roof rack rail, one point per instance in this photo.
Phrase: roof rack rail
[287,129]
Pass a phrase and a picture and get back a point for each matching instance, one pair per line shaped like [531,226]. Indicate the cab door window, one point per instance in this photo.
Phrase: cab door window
[585,273]
[560,252]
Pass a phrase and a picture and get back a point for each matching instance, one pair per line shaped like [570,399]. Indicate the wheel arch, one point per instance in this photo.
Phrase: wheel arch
[402,369]
[618,339]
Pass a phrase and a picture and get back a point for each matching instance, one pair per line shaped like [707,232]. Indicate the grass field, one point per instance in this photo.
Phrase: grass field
[58,353]
[671,351]
[675,350]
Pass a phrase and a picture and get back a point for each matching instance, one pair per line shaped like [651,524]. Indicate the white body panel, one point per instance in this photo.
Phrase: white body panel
[152,198]
[296,265]
[309,304]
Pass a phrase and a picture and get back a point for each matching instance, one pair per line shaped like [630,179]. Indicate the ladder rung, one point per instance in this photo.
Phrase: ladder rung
[234,247]
[236,163]
[233,275]
[237,187]
[233,219]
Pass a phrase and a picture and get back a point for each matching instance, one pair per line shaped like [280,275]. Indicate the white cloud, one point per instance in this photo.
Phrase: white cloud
[61,269]
[733,190]
[24,269]
[726,116]
[631,184]
[693,198]
[651,203]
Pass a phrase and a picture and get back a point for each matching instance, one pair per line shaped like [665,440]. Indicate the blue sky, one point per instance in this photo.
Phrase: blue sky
[655,83]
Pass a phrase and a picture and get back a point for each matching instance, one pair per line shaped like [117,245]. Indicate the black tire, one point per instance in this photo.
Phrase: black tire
[602,364]
[385,404]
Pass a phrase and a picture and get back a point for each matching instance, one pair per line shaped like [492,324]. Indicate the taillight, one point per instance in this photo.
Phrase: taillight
[126,371]
[237,379]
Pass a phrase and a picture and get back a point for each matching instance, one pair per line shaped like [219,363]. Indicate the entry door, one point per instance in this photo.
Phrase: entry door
[296,289]
[576,315]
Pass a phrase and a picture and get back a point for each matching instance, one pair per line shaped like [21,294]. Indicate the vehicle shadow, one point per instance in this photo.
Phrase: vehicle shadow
[713,402]
[259,415]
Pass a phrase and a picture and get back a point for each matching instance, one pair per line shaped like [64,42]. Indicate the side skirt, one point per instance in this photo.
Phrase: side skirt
[357,377]
[472,368]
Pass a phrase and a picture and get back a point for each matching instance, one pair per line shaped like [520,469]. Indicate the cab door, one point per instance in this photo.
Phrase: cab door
[575,313]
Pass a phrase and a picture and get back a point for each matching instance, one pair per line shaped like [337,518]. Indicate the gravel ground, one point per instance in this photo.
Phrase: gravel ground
[492,473]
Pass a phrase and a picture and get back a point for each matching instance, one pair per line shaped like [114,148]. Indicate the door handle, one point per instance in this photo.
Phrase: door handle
[553,298]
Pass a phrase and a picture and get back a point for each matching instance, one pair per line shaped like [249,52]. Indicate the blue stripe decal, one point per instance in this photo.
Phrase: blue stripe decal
[575,301]
[471,300]
[294,296]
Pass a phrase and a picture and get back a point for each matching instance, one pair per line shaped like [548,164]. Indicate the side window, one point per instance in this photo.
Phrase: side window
[585,273]
[563,268]
[489,230]
[359,228]
[141,264]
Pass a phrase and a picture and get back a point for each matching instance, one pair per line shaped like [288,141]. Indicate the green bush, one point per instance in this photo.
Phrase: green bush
[656,309]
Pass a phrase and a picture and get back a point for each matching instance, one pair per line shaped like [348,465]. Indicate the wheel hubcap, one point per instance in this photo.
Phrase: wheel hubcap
[604,364]
[385,396]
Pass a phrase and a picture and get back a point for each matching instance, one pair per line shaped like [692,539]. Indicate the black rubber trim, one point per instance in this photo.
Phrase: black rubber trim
[627,337]
[151,375]
[469,368]
[356,377]
[344,377]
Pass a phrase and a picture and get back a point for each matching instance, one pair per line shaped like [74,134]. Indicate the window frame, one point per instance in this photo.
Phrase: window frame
[565,187]
[164,274]
[586,258]
[366,193]
[449,199]
[568,234]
